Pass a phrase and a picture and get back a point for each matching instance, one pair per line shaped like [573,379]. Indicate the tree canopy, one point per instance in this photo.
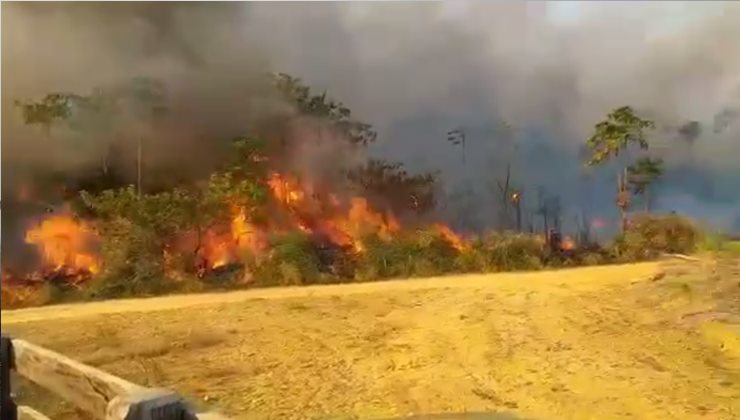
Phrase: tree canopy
[621,128]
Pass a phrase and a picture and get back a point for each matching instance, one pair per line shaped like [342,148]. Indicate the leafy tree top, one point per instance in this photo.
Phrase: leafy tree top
[320,106]
[142,97]
[643,172]
[621,128]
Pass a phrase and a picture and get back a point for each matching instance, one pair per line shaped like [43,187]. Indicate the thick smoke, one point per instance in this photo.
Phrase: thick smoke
[415,71]
[420,70]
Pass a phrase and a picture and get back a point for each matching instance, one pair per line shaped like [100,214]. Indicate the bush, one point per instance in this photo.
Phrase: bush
[134,262]
[648,236]
[423,252]
[503,252]
[292,261]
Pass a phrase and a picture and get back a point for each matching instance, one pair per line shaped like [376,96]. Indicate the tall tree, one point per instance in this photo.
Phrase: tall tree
[642,174]
[543,210]
[98,116]
[53,108]
[612,137]
[332,112]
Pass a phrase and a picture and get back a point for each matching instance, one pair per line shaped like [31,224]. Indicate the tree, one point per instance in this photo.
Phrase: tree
[391,183]
[139,229]
[52,108]
[516,199]
[543,210]
[642,174]
[99,115]
[335,113]
[613,136]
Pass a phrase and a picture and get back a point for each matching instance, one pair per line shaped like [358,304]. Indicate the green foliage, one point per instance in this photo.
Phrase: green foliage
[53,107]
[643,173]
[336,113]
[621,128]
[423,252]
[134,263]
[292,261]
[506,251]
[648,236]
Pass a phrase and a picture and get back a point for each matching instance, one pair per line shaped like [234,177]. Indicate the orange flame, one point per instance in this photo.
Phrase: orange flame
[453,238]
[221,245]
[342,223]
[64,244]
[568,244]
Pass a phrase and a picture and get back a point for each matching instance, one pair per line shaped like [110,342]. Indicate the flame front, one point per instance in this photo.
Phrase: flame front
[64,244]
[453,238]
[325,214]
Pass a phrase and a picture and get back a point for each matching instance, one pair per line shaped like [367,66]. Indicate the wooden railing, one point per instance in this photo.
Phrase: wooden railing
[98,393]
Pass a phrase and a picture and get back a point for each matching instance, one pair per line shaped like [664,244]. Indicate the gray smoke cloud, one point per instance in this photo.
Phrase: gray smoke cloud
[416,71]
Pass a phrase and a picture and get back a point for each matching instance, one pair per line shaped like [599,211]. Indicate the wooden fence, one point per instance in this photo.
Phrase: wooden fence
[100,394]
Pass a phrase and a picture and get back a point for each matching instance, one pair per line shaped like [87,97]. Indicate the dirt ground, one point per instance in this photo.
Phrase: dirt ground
[649,341]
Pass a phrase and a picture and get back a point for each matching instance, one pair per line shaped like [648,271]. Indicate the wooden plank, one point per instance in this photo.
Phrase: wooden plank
[28,413]
[86,387]
[99,393]
[210,416]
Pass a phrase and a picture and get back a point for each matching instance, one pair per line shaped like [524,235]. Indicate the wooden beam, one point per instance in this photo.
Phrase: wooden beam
[99,393]
[86,387]
[210,416]
[28,413]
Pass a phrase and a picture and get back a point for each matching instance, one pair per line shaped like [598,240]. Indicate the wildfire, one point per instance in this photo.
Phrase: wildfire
[285,190]
[457,242]
[222,245]
[342,223]
[568,244]
[64,245]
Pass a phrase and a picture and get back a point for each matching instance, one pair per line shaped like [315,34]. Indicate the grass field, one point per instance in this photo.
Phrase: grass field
[649,341]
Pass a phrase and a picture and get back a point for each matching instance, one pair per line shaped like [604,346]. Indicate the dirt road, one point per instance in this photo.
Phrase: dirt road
[588,277]
[602,342]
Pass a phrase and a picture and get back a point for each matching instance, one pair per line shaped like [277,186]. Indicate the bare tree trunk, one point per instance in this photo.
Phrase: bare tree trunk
[138,168]
[622,198]
[647,199]
[547,228]
[518,217]
[504,189]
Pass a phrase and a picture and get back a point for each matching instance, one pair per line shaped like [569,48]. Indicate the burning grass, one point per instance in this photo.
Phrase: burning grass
[282,230]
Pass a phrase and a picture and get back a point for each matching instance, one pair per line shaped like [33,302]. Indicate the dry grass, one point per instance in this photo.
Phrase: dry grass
[597,342]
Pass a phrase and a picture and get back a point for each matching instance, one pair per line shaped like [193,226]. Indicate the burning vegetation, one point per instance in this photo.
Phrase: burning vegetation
[260,218]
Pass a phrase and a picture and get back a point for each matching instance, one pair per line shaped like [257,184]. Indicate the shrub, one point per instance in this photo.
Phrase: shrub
[133,262]
[503,252]
[292,261]
[648,236]
[423,252]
